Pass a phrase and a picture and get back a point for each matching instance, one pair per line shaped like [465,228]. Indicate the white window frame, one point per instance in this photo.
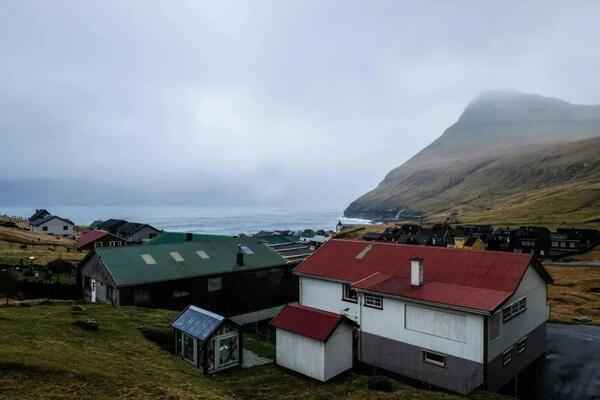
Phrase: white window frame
[521,345]
[441,364]
[347,293]
[507,356]
[373,301]
[514,309]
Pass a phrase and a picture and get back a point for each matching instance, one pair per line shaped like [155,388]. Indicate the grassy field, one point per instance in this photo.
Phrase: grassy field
[44,356]
[562,205]
[11,253]
[17,245]
[575,293]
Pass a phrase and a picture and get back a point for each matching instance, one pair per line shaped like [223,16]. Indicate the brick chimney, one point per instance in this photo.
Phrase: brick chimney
[416,271]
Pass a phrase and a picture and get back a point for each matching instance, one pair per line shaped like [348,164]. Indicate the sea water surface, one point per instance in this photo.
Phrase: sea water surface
[215,220]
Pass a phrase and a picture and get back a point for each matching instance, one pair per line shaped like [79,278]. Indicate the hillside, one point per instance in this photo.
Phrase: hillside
[504,146]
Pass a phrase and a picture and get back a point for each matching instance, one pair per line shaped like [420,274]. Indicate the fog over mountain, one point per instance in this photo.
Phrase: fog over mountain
[291,104]
[505,143]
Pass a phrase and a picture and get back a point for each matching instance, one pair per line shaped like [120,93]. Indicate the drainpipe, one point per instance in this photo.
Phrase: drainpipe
[485,352]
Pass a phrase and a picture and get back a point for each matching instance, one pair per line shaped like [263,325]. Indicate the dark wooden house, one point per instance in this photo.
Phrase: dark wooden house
[227,275]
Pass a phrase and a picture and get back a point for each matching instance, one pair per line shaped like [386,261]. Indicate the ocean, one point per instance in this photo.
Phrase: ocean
[212,220]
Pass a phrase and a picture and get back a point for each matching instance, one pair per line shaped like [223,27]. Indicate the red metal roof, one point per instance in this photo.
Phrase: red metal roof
[90,236]
[480,280]
[307,321]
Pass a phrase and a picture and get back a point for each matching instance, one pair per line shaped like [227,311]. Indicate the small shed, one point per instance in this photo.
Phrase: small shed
[313,342]
[207,340]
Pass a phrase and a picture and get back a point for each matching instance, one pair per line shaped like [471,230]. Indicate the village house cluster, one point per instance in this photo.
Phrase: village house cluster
[410,301]
[525,239]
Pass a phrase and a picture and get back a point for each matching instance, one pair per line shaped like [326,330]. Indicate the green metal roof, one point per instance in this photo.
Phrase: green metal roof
[179,237]
[133,265]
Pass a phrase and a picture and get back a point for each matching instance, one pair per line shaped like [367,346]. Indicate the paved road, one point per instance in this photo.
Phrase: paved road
[571,369]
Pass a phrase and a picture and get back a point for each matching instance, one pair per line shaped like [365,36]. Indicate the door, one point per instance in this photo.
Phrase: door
[227,352]
[93,291]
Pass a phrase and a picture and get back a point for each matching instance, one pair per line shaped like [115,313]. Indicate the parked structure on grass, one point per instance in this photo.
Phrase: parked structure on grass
[132,232]
[98,238]
[452,318]
[227,275]
[313,342]
[53,225]
[207,340]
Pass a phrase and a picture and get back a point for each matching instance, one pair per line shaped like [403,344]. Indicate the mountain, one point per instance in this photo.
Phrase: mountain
[505,144]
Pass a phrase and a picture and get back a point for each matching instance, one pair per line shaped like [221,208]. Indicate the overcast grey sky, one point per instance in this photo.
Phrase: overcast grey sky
[279,103]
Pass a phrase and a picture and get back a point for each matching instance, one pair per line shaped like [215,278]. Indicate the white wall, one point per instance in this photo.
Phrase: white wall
[326,295]
[55,227]
[448,332]
[300,354]
[534,288]
[338,351]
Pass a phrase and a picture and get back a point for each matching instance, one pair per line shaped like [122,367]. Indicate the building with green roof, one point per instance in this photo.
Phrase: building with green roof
[227,275]
[180,237]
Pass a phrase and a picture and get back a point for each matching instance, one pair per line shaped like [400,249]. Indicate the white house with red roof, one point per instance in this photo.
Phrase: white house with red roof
[313,342]
[454,319]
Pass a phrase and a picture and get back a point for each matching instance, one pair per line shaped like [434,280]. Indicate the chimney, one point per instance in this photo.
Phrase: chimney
[189,237]
[240,256]
[416,271]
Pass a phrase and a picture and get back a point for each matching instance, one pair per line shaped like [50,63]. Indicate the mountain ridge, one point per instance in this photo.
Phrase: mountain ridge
[495,131]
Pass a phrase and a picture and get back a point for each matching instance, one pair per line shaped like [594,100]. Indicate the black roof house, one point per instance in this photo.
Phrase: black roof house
[39,215]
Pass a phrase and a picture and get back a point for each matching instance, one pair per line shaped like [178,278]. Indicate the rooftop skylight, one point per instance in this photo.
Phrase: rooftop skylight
[176,256]
[246,250]
[364,252]
[148,259]
[202,254]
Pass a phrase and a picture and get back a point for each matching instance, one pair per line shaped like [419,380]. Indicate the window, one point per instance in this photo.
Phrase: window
[188,347]
[215,284]
[521,345]
[554,244]
[45,229]
[435,359]
[494,327]
[98,244]
[87,282]
[572,245]
[373,301]
[349,294]
[65,227]
[514,309]
[507,356]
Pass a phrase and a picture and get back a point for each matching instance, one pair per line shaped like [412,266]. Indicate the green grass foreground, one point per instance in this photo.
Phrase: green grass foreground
[43,355]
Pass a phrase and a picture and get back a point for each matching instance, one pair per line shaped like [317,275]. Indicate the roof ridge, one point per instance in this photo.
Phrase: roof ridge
[313,309]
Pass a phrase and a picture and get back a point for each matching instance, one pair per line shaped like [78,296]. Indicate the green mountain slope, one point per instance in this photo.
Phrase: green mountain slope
[505,144]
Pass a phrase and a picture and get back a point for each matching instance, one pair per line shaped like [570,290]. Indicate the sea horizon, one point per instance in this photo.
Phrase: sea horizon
[230,220]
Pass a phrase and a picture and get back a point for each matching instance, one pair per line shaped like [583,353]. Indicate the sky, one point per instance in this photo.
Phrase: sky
[283,103]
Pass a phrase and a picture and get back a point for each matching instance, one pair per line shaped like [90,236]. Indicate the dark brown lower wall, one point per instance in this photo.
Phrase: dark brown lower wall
[459,375]
[499,375]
